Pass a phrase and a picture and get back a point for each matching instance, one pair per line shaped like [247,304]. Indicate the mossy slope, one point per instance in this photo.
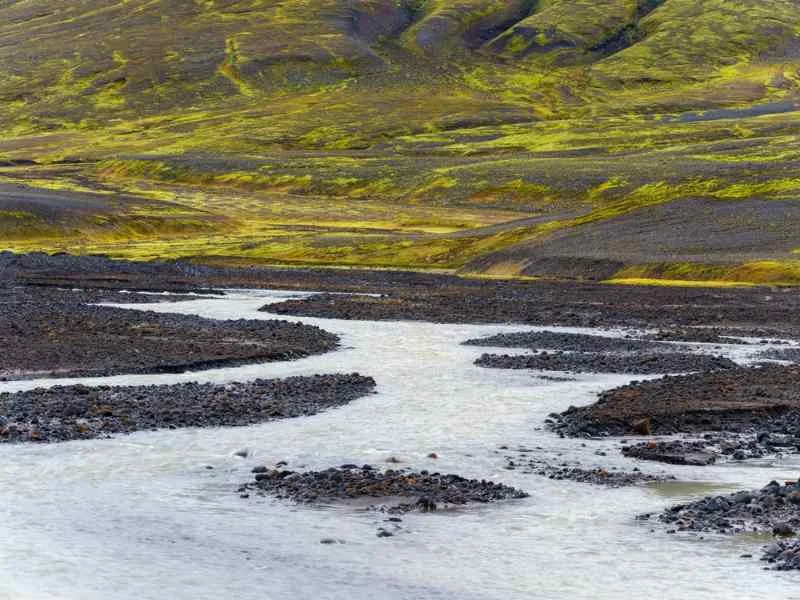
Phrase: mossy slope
[406,131]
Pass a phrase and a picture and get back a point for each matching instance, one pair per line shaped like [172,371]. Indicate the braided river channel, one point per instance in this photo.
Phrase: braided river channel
[155,515]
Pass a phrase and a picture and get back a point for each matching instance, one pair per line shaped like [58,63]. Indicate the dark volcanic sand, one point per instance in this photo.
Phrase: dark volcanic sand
[77,412]
[398,490]
[596,362]
[47,332]
[745,399]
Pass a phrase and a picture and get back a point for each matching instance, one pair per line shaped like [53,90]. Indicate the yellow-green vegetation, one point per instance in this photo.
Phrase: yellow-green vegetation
[705,283]
[771,272]
[466,135]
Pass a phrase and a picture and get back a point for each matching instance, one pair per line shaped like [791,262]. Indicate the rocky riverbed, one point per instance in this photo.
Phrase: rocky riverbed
[675,452]
[774,509]
[711,447]
[681,313]
[75,412]
[783,555]
[756,400]
[703,335]
[392,490]
[422,406]
[600,362]
[686,312]
[569,342]
[532,461]
[584,353]
[784,354]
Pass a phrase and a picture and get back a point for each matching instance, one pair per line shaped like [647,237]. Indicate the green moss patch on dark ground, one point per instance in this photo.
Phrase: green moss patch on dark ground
[620,122]
[682,231]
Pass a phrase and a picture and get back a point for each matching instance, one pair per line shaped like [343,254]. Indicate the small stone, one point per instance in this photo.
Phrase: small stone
[772,551]
[426,504]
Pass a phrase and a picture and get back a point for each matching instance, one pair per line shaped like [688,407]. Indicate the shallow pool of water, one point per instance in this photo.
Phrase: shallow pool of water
[143,517]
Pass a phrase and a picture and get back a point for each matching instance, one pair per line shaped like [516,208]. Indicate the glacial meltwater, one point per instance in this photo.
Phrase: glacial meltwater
[143,516]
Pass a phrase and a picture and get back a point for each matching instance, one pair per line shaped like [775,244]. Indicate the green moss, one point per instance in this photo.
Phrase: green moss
[301,132]
[770,272]
[17,215]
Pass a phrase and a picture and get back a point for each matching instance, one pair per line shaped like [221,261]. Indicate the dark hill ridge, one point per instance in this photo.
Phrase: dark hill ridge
[482,135]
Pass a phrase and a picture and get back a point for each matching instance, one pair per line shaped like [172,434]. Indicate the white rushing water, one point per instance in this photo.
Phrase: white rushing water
[142,517]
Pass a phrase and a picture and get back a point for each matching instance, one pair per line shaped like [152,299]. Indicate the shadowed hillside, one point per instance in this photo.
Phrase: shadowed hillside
[515,137]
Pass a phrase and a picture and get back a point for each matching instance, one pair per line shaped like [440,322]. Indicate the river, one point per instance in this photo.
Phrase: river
[155,515]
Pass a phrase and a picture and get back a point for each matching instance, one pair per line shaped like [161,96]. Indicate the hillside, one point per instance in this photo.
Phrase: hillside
[604,139]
